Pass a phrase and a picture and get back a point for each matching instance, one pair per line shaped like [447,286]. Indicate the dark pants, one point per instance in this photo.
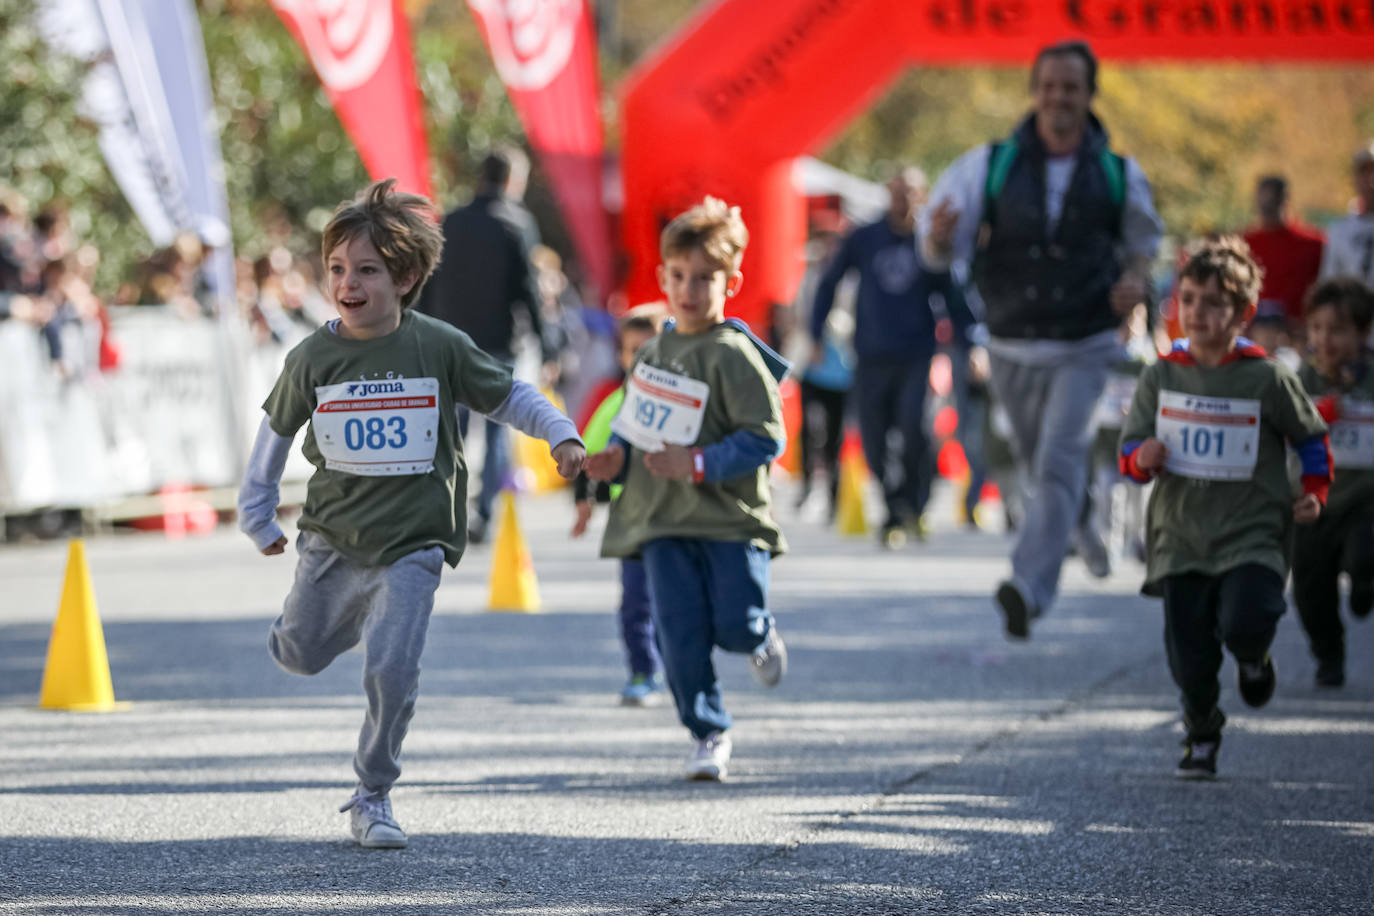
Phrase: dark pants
[705,594]
[1240,610]
[822,434]
[636,620]
[891,396]
[1321,552]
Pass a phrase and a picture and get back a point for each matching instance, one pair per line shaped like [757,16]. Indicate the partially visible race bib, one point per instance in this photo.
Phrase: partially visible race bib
[1209,438]
[1115,402]
[1352,436]
[661,408]
[384,428]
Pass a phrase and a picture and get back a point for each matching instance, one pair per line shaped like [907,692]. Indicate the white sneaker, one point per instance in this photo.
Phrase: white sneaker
[372,823]
[710,759]
[769,662]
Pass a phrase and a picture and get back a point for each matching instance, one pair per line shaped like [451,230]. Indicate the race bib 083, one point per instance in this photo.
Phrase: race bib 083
[661,408]
[383,428]
[1352,436]
[1209,438]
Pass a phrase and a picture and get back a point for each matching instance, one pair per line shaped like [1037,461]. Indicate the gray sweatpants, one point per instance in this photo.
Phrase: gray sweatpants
[336,602]
[1051,411]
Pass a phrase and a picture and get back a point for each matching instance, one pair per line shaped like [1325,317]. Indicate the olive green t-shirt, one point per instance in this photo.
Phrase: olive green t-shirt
[1210,526]
[1353,486]
[742,396]
[383,407]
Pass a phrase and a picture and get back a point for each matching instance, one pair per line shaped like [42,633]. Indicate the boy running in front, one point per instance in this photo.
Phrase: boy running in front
[701,422]
[1210,421]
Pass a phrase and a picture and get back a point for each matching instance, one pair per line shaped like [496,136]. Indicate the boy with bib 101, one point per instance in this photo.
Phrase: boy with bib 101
[1340,377]
[1209,423]
[379,387]
[700,424]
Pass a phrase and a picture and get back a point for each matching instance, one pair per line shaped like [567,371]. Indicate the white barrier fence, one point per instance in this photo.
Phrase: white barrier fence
[88,439]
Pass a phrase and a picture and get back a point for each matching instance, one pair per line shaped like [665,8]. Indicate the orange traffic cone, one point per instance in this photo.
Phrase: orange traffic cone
[77,673]
[513,586]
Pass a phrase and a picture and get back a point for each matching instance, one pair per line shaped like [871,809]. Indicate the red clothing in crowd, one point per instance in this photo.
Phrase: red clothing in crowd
[1291,256]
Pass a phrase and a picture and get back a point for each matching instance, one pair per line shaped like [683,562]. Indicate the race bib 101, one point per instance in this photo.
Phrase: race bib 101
[1209,438]
[383,428]
[1352,436]
[661,408]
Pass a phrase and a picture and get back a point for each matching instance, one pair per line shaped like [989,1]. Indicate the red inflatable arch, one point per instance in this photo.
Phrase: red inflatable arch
[726,105]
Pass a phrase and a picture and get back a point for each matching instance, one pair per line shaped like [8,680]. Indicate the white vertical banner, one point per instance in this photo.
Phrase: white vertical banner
[149,90]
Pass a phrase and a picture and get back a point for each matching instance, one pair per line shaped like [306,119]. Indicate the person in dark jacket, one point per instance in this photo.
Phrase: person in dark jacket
[1060,233]
[484,279]
[894,341]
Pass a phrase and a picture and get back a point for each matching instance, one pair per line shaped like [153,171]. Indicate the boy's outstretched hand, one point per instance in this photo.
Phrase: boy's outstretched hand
[605,464]
[1307,509]
[276,547]
[584,515]
[570,456]
[673,463]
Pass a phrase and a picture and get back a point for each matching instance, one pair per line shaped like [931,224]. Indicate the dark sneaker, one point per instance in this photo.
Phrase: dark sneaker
[1361,599]
[477,528]
[1199,759]
[1256,681]
[1331,672]
[1016,609]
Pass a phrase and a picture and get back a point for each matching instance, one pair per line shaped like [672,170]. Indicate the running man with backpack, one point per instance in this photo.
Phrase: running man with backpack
[1059,232]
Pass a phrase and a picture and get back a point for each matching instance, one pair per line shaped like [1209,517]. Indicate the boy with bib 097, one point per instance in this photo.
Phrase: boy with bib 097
[1340,378]
[379,388]
[1209,423]
[700,424]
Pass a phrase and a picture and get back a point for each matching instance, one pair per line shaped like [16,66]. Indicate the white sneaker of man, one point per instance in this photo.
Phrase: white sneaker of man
[372,823]
[710,759]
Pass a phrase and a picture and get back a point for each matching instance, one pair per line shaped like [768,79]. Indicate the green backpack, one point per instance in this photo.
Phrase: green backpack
[1002,156]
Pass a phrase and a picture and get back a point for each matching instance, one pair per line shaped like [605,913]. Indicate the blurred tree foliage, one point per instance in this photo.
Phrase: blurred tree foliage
[1202,133]
[49,154]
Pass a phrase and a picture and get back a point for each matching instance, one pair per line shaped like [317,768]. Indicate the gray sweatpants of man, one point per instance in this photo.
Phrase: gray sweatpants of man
[1050,393]
[334,604]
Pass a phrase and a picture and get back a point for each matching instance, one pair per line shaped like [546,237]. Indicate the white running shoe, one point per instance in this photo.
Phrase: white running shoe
[769,662]
[371,821]
[709,761]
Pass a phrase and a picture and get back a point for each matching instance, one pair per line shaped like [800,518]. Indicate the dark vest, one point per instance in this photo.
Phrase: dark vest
[1038,286]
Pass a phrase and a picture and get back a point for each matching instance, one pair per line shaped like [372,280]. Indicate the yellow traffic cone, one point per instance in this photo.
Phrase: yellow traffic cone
[513,586]
[77,674]
[853,477]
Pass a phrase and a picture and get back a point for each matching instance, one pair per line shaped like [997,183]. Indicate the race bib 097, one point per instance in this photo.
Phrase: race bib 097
[1209,438]
[381,428]
[661,408]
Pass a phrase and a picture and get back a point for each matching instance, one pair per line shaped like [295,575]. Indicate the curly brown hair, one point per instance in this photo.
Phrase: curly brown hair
[404,229]
[712,226]
[1228,259]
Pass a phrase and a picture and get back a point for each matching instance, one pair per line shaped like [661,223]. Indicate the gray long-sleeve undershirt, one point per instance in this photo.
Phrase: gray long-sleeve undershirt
[524,409]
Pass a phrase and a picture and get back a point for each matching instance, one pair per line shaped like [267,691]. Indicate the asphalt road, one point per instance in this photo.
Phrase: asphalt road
[913,761]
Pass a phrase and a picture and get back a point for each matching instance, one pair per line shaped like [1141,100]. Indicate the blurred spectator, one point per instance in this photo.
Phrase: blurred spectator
[1289,253]
[1350,241]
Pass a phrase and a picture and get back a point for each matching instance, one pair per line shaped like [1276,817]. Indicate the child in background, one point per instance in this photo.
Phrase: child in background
[825,384]
[1116,508]
[645,685]
[1208,424]
[701,423]
[379,387]
[1340,377]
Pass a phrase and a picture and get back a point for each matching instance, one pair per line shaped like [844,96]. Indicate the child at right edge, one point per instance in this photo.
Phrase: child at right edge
[1209,423]
[701,423]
